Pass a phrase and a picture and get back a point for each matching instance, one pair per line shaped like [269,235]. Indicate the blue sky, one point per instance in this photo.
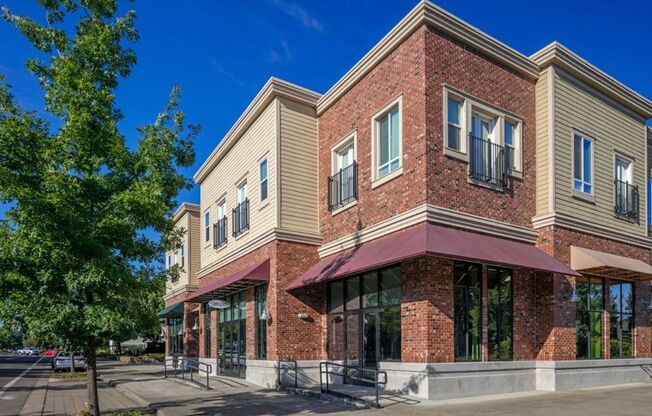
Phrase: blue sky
[222,52]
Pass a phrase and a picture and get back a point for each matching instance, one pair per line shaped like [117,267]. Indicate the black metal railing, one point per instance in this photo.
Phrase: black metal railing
[343,187]
[187,366]
[284,367]
[627,200]
[241,217]
[220,232]
[488,162]
[351,373]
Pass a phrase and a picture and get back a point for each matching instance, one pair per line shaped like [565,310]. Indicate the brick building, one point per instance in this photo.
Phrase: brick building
[465,218]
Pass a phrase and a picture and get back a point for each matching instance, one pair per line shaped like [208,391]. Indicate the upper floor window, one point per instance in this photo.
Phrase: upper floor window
[626,196]
[220,228]
[207,226]
[241,211]
[454,131]
[182,255]
[487,158]
[387,140]
[512,144]
[169,261]
[342,185]
[263,179]
[582,164]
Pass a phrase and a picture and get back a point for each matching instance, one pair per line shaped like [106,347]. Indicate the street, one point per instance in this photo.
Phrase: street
[18,375]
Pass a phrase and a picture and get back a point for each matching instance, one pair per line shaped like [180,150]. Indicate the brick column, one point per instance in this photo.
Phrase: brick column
[214,333]
[202,332]
[191,338]
[251,323]
[642,330]
[525,320]
[557,332]
[167,337]
[427,328]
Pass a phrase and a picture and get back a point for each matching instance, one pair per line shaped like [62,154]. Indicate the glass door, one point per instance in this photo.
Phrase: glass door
[371,333]
[232,344]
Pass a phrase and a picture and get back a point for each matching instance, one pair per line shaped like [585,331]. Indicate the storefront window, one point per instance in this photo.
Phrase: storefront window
[364,322]
[176,335]
[621,312]
[261,325]
[499,283]
[589,317]
[468,315]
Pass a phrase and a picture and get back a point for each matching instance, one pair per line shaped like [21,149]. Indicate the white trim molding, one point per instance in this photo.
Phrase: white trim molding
[272,89]
[435,215]
[179,290]
[427,13]
[576,224]
[268,237]
[183,208]
[559,55]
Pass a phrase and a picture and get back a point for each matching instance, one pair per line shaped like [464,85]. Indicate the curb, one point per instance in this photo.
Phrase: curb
[133,396]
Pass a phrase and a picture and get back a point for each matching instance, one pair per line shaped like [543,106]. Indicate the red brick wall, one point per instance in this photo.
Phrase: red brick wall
[449,63]
[190,337]
[402,72]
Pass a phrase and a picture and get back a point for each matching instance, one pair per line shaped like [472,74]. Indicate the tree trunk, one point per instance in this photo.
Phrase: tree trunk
[91,384]
[72,362]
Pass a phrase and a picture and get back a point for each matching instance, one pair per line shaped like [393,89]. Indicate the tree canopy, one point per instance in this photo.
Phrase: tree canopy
[80,247]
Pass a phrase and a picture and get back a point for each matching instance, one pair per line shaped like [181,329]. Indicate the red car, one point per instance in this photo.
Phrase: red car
[50,353]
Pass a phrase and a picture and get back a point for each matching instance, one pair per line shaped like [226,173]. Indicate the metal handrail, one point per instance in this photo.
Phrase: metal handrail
[324,370]
[282,366]
[647,369]
[626,200]
[190,365]
[220,232]
[240,216]
[488,161]
[343,187]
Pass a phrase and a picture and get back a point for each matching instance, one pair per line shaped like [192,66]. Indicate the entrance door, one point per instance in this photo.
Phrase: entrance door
[370,338]
[233,348]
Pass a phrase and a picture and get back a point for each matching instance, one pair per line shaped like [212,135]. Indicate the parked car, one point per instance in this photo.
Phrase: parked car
[50,353]
[61,361]
[28,351]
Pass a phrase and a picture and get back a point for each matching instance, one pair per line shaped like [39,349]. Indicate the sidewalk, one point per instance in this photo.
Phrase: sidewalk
[228,396]
[55,397]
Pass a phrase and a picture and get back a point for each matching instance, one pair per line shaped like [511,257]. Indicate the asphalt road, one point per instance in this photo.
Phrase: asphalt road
[18,375]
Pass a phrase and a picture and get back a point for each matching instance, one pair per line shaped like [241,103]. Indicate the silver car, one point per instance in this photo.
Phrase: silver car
[61,362]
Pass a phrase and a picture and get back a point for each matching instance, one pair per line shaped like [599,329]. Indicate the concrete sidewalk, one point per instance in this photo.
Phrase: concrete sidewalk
[55,397]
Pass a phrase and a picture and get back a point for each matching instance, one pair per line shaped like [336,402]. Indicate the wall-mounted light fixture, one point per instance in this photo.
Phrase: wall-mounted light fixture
[195,327]
[302,315]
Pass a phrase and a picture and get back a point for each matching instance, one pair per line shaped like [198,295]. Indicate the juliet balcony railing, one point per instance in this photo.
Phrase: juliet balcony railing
[626,200]
[241,218]
[220,233]
[488,162]
[343,187]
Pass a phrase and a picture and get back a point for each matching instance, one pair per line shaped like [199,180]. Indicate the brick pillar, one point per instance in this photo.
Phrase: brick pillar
[556,332]
[427,329]
[191,338]
[484,314]
[202,332]
[251,323]
[167,337]
[214,333]
[525,320]
[642,330]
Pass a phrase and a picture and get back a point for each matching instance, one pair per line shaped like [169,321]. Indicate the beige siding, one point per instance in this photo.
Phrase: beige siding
[193,253]
[613,130]
[189,222]
[542,98]
[241,163]
[299,191]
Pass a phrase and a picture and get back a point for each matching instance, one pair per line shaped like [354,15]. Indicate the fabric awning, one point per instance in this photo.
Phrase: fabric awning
[249,276]
[609,265]
[430,239]
[171,311]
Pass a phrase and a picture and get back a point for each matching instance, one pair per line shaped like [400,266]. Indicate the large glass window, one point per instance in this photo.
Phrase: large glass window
[364,322]
[589,317]
[499,284]
[454,110]
[175,335]
[621,312]
[468,311]
[582,164]
[388,142]
[261,324]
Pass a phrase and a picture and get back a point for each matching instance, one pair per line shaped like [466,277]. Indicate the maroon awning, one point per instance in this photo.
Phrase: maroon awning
[430,239]
[242,279]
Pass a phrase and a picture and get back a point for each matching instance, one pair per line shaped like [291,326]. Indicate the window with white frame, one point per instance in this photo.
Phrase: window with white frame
[511,134]
[454,122]
[176,257]
[220,228]
[343,183]
[182,255]
[207,226]
[241,211]
[387,141]
[169,261]
[626,195]
[263,179]
[582,164]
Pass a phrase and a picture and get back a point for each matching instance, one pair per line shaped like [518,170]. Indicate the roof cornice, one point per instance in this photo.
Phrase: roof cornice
[273,88]
[427,13]
[559,55]
[184,208]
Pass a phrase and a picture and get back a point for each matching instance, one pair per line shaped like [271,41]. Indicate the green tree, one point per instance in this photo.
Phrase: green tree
[80,245]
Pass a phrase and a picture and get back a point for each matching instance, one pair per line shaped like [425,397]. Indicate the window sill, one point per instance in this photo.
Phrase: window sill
[625,218]
[516,174]
[242,234]
[344,207]
[456,154]
[208,245]
[390,176]
[582,196]
[487,185]
[263,204]
[221,247]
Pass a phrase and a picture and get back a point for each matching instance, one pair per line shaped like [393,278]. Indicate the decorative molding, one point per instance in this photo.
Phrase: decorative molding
[179,290]
[435,215]
[263,239]
[576,224]
[559,55]
[427,13]
[273,88]
[551,139]
[183,209]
